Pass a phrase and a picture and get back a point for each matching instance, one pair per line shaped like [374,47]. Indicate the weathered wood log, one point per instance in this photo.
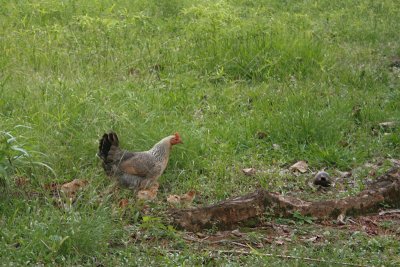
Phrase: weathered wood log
[228,213]
[222,214]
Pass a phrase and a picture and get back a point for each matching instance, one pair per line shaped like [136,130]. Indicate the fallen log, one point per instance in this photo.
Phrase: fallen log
[228,213]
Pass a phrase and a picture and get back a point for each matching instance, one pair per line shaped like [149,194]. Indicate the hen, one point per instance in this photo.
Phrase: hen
[135,170]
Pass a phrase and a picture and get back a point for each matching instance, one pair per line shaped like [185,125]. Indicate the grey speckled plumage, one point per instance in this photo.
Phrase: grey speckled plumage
[135,170]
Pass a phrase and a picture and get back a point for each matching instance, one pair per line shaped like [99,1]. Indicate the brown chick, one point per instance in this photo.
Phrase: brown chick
[185,199]
[188,197]
[150,193]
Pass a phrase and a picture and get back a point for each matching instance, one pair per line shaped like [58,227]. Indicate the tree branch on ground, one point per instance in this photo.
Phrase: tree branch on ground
[231,212]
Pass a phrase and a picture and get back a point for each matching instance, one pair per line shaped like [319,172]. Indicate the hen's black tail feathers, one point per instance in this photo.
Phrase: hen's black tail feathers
[105,143]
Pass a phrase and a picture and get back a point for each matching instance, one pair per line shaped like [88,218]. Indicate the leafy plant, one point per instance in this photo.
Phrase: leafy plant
[301,219]
[15,159]
[11,154]
[155,228]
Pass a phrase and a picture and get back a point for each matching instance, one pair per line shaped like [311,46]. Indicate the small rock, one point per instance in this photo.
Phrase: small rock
[322,178]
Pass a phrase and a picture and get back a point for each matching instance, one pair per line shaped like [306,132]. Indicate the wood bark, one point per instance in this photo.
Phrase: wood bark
[228,213]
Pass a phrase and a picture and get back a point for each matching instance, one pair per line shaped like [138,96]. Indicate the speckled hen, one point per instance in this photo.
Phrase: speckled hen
[135,170]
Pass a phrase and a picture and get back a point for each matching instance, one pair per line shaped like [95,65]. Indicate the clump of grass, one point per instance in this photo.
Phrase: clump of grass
[223,47]
[53,236]
[18,160]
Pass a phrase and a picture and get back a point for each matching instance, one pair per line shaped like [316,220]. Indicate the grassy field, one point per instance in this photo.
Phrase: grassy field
[258,84]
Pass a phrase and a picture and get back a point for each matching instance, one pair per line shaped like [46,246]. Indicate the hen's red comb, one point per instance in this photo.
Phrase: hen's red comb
[177,136]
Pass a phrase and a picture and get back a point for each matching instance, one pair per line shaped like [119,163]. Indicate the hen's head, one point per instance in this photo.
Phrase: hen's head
[175,139]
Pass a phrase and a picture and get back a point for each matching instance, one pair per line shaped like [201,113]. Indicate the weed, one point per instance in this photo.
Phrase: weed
[301,219]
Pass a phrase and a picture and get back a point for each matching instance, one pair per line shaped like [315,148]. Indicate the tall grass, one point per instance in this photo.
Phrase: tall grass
[313,77]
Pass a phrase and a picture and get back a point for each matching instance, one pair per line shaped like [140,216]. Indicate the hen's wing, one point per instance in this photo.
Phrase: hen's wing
[140,164]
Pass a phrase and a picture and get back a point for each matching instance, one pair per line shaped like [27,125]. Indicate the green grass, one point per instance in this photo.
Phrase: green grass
[313,76]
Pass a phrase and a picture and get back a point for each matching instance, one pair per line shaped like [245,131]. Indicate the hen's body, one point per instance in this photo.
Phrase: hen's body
[135,170]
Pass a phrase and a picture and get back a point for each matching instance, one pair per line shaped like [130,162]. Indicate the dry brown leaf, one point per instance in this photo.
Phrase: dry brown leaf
[51,186]
[123,203]
[249,171]
[21,181]
[300,166]
[70,189]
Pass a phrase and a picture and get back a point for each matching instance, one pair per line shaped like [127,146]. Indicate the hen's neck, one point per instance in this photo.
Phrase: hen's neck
[161,149]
